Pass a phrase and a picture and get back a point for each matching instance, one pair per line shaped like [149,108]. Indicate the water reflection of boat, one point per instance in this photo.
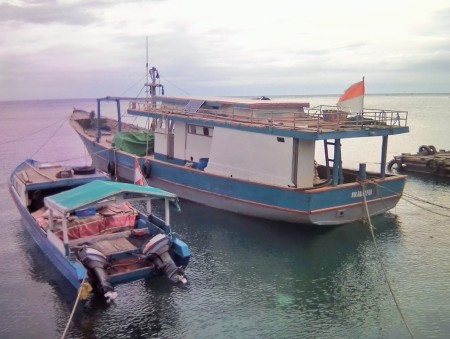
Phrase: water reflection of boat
[88,229]
[250,157]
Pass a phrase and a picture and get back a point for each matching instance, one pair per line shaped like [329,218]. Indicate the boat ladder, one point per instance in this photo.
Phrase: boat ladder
[335,162]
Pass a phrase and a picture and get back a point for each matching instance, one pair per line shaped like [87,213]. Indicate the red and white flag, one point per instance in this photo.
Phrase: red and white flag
[138,176]
[353,98]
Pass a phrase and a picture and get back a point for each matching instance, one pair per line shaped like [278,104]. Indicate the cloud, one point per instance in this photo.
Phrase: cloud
[50,12]
[76,13]
[201,47]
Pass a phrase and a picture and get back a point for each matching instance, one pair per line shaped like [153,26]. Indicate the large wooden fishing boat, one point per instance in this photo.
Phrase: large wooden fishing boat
[254,157]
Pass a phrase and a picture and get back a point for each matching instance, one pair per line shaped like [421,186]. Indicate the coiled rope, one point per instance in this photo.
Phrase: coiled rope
[371,227]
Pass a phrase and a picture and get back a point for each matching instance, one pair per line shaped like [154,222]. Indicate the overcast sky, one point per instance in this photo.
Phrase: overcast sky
[92,48]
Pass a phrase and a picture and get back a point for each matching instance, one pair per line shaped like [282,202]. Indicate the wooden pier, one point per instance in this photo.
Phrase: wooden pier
[427,160]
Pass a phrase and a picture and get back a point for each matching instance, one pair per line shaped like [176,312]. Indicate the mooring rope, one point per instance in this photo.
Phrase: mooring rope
[73,310]
[410,197]
[371,227]
[35,132]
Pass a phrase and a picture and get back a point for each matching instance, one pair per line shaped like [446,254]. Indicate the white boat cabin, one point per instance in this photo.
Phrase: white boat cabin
[256,157]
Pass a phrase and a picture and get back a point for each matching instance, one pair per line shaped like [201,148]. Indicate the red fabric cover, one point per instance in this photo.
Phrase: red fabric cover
[109,219]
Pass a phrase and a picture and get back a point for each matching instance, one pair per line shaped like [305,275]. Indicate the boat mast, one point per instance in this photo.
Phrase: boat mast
[146,65]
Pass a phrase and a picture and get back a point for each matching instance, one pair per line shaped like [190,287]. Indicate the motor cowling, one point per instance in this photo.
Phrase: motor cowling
[96,262]
[157,250]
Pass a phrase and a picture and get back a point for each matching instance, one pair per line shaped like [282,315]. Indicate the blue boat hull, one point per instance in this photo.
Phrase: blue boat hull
[321,206]
[69,265]
[72,270]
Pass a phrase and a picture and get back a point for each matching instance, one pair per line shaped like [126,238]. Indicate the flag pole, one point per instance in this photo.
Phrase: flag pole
[363,95]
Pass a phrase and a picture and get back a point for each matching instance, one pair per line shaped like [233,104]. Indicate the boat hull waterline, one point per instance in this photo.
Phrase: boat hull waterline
[327,206]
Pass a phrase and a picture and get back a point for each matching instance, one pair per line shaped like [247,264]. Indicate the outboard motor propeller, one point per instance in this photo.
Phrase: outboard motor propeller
[157,250]
[96,261]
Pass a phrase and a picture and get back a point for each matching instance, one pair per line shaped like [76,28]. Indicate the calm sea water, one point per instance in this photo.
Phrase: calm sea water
[248,278]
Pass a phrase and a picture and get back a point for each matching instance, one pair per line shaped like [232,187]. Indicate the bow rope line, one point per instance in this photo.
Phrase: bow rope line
[80,291]
[180,89]
[51,137]
[410,197]
[371,227]
[130,87]
[33,133]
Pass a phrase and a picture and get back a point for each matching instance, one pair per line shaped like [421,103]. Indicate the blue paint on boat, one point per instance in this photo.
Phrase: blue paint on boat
[34,188]
[260,155]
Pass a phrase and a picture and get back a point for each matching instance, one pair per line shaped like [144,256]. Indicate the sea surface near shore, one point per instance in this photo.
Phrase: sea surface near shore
[248,278]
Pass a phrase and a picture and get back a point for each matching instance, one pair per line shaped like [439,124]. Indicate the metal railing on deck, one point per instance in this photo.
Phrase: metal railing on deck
[369,117]
[311,119]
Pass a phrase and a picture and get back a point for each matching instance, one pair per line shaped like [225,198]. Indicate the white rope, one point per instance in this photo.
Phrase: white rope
[35,132]
[50,138]
[73,310]
[371,227]
[412,197]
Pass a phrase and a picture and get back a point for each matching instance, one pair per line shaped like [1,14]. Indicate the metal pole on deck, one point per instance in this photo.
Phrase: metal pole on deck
[119,117]
[383,156]
[65,235]
[99,133]
[167,212]
[50,220]
[338,176]
[362,175]
[146,65]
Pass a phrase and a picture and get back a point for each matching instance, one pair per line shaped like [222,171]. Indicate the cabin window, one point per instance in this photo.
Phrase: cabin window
[280,139]
[200,130]
[191,129]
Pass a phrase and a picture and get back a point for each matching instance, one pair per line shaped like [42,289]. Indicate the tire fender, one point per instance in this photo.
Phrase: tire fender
[112,168]
[432,149]
[147,170]
[391,164]
[433,165]
[424,150]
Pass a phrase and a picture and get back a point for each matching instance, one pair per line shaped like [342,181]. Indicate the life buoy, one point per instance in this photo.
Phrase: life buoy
[112,168]
[395,164]
[433,165]
[84,170]
[147,170]
[424,150]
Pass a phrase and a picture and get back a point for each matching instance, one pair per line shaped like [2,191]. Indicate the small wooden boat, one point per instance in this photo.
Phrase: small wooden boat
[89,230]
[427,160]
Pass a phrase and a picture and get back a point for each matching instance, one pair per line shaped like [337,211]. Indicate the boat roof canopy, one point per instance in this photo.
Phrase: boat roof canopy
[103,192]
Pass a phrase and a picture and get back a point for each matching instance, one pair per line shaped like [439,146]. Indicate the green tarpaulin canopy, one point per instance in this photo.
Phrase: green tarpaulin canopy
[98,191]
[136,143]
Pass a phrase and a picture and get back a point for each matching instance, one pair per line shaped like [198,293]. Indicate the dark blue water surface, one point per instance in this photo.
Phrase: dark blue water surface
[248,278]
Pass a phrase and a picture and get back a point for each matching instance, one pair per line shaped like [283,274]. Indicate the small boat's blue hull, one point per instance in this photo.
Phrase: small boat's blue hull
[325,206]
[72,270]
[118,237]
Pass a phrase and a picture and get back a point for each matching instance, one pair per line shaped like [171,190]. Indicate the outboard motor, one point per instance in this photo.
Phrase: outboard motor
[157,250]
[96,261]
